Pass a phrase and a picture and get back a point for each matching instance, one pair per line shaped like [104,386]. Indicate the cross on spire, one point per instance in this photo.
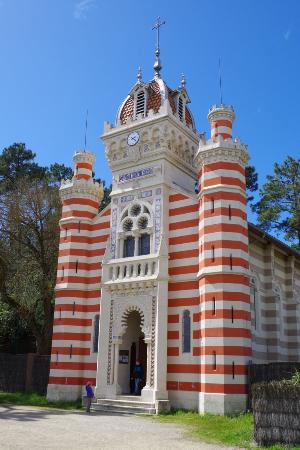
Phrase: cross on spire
[157,64]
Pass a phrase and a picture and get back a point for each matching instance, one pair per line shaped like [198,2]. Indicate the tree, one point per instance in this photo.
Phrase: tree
[106,191]
[16,162]
[28,254]
[29,216]
[279,206]
[59,172]
[251,181]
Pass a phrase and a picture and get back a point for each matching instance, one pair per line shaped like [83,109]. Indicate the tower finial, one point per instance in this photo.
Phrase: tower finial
[139,74]
[220,82]
[157,65]
[86,125]
[182,81]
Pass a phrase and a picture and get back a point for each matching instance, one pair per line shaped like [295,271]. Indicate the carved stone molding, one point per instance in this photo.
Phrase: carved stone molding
[82,188]
[160,138]
[222,151]
[123,306]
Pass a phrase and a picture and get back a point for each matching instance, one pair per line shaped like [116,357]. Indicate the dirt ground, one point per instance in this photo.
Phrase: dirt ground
[23,427]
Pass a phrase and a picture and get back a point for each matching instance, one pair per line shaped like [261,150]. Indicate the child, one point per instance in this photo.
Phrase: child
[90,396]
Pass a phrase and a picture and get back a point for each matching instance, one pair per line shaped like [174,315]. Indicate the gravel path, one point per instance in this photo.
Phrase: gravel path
[23,427]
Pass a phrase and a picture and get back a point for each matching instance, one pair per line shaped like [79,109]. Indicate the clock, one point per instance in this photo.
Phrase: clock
[133,138]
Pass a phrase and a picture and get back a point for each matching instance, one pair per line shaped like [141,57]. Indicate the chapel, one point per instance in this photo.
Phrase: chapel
[170,272]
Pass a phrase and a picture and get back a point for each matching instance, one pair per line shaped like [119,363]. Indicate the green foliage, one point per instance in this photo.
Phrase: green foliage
[229,430]
[107,191]
[251,181]
[296,378]
[279,206]
[29,233]
[59,172]
[15,335]
[34,399]
[16,162]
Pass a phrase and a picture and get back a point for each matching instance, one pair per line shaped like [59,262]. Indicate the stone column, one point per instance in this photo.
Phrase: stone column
[148,342]
[160,377]
[105,352]
[136,245]
[116,367]
[147,392]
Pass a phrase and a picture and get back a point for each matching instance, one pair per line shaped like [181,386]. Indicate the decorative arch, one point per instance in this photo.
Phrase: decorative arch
[255,292]
[123,306]
[136,230]
[279,302]
[129,310]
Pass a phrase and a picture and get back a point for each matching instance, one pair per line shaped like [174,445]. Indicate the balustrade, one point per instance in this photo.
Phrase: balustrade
[126,270]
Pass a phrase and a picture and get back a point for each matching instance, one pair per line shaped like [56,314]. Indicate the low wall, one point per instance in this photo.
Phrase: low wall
[24,373]
[276,413]
[260,373]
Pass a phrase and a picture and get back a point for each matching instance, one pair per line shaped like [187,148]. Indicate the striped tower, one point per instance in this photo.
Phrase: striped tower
[221,119]
[77,285]
[225,337]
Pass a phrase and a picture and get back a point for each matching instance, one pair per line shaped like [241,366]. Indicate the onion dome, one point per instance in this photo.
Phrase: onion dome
[155,97]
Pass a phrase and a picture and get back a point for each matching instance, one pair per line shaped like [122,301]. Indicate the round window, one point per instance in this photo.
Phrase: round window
[127,225]
[143,223]
[135,210]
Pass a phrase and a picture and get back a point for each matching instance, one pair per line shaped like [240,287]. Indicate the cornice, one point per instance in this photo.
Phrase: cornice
[221,151]
[84,188]
[140,124]
[162,139]
[84,156]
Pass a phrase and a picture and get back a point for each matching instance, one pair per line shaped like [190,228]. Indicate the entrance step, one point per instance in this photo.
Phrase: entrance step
[125,405]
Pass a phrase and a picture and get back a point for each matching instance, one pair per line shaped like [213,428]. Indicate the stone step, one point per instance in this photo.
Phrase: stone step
[124,408]
[123,402]
[135,398]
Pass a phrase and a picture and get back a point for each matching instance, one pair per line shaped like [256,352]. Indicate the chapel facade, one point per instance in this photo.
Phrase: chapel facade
[170,272]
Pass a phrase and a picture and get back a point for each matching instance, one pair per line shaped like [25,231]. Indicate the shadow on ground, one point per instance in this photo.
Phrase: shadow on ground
[9,412]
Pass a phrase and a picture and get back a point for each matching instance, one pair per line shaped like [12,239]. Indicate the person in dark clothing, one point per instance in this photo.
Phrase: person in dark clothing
[137,375]
[90,396]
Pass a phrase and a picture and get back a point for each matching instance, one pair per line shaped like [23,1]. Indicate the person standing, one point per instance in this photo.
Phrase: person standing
[137,375]
[90,396]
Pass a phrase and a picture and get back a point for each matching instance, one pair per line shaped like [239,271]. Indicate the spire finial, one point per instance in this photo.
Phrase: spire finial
[220,81]
[86,125]
[139,75]
[157,64]
[183,81]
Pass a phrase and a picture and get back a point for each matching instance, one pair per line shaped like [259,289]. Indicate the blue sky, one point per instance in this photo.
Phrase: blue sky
[60,57]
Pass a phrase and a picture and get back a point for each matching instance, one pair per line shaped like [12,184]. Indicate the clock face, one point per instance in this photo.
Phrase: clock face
[133,138]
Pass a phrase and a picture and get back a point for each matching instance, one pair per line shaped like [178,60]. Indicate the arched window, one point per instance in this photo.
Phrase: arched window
[254,303]
[135,230]
[186,332]
[180,109]
[128,247]
[96,333]
[140,103]
[144,244]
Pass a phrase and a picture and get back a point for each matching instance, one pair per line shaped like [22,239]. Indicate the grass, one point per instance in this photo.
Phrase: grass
[228,430]
[34,399]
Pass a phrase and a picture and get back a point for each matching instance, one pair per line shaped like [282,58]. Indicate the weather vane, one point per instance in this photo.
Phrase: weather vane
[220,81]
[157,64]
[86,125]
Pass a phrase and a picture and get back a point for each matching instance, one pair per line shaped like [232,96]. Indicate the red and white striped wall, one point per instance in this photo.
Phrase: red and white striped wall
[183,378]
[221,119]
[225,322]
[83,236]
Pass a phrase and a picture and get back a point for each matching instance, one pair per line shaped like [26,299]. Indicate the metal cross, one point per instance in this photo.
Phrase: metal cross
[157,27]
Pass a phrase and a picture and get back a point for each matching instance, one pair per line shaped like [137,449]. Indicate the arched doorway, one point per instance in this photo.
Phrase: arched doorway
[132,348]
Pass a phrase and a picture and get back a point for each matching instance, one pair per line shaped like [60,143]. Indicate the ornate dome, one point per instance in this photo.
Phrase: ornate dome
[145,97]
